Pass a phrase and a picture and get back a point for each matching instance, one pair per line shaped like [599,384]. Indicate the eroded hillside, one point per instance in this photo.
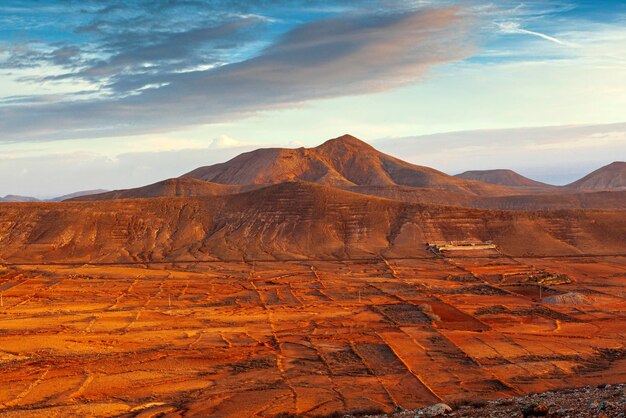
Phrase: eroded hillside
[289,220]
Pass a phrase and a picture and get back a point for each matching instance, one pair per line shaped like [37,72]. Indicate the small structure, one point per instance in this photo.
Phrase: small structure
[438,247]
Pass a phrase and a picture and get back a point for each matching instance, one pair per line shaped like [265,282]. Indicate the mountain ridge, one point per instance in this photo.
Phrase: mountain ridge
[609,177]
[175,187]
[504,177]
[348,163]
[344,161]
[284,221]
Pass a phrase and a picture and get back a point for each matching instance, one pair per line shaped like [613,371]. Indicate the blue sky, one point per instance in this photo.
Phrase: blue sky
[110,94]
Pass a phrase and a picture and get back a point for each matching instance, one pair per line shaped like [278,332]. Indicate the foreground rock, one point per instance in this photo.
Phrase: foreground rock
[604,401]
[436,410]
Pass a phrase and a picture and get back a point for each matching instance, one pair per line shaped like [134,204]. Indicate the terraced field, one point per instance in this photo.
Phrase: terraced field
[312,337]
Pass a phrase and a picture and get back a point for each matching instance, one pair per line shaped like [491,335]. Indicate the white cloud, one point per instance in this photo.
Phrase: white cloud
[225,141]
[599,139]
[514,27]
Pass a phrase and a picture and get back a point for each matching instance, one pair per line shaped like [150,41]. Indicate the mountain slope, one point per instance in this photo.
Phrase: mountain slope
[77,194]
[534,199]
[341,162]
[288,220]
[609,177]
[502,177]
[180,187]
[615,199]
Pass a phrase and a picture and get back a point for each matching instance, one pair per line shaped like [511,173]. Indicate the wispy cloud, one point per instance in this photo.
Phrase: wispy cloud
[342,55]
[514,27]
[93,68]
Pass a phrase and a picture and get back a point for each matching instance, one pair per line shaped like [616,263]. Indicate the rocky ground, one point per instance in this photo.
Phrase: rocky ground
[603,401]
[306,338]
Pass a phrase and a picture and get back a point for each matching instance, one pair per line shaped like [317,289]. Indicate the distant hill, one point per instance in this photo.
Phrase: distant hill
[15,198]
[350,164]
[347,163]
[502,177]
[609,177]
[77,194]
[342,162]
[180,187]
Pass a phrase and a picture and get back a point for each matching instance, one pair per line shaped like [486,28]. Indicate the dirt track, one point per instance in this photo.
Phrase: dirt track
[260,338]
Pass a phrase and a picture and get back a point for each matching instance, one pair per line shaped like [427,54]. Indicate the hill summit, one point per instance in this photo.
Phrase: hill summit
[345,161]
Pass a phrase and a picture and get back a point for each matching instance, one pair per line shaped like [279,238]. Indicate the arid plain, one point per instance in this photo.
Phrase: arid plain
[310,281]
[260,338]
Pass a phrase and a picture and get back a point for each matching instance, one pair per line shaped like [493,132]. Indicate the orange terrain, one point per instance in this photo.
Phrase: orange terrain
[309,337]
[314,281]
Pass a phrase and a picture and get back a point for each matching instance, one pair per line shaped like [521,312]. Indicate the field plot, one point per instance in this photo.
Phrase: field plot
[261,338]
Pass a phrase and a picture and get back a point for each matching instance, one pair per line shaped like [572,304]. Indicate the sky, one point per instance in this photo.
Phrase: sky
[117,94]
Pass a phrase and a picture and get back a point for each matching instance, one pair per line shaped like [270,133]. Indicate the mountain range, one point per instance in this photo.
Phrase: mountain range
[350,164]
[15,198]
[342,199]
[609,177]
